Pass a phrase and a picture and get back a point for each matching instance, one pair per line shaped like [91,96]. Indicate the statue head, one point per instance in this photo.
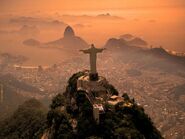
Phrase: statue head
[92,46]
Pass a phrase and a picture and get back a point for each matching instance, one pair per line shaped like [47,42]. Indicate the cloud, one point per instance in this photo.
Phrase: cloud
[87,17]
[35,21]
[152,20]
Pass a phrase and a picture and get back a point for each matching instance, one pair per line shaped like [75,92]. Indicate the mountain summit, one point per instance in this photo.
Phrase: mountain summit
[69,32]
[69,41]
[94,110]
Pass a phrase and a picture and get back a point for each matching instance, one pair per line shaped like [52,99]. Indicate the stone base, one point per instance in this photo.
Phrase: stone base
[84,83]
[93,76]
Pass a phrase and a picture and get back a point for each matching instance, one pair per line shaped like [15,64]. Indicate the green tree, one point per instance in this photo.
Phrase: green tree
[27,122]
[58,100]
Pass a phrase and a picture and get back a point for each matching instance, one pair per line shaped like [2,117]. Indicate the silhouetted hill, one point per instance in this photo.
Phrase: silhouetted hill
[162,53]
[10,80]
[108,16]
[128,120]
[114,44]
[14,93]
[159,52]
[11,100]
[157,56]
[32,42]
[69,41]
[133,41]
[127,36]
[137,42]
[26,122]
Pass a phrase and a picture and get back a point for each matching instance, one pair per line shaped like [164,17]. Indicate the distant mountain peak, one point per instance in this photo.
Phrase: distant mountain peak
[70,40]
[138,42]
[69,32]
[127,36]
[31,42]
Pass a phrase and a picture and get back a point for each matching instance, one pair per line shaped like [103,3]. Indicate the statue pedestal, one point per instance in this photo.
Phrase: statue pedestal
[93,76]
[94,86]
[87,84]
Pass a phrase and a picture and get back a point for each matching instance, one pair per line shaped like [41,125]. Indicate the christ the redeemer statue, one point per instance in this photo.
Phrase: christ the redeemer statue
[93,56]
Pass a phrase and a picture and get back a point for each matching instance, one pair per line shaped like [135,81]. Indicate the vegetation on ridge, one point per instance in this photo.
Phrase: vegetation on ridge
[127,121]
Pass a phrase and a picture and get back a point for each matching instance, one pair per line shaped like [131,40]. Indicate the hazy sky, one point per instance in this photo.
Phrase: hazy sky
[80,5]
[161,22]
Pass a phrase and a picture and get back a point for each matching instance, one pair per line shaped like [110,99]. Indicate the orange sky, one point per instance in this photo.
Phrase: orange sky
[80,5]
[167,30]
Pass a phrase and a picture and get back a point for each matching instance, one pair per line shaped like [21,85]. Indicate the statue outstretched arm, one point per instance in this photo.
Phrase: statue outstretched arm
[101,49]
[85,51]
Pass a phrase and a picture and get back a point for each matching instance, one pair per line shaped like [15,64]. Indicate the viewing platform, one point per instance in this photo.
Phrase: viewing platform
[84,83]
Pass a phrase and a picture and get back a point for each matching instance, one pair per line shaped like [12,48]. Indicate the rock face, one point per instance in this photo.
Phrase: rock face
[74,115]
